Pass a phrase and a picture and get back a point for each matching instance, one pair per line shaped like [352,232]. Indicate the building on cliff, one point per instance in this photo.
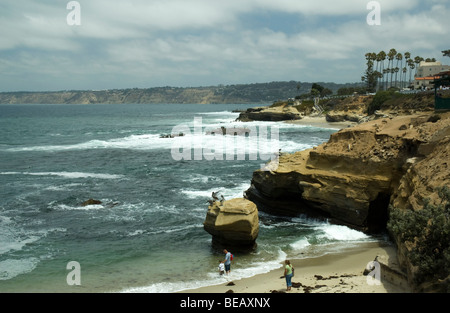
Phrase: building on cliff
[427,73]
[442,92]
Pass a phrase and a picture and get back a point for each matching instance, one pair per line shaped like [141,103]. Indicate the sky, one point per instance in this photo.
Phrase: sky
[189,43]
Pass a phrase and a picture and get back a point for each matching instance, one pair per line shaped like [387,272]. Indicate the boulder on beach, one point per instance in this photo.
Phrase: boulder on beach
[233,222]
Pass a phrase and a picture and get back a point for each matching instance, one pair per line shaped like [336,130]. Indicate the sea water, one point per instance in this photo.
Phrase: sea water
[147,234]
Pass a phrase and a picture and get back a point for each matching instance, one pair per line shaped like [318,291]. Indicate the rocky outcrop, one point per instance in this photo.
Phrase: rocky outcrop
[351,178]
[233,223]
[337,116]
[360,173]
[426,174]
[91,202]
[271,114]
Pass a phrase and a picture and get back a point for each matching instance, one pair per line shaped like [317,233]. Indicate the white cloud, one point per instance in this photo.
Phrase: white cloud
[186,42]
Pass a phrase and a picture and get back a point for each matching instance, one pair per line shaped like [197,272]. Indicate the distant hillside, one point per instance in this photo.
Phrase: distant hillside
[246,94]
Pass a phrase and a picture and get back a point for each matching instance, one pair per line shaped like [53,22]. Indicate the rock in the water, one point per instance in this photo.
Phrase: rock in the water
[91,202]
[233,223]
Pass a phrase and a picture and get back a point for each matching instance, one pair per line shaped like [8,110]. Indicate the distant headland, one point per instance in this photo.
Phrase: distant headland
[258,93]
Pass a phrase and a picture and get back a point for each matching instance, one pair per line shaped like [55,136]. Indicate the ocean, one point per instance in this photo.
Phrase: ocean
[147,234]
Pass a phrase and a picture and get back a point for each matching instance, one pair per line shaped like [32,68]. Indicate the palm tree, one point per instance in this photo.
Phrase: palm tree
[392,74]
[381,57]
[396,70]
[412,66]
[417,60]
[386,71]
[407,55]
[403,80]
[391,56]
[398,57]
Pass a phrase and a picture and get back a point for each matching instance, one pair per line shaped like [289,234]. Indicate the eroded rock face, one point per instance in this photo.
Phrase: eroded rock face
[233,223]
[351,178]
[274,114]
[422,180]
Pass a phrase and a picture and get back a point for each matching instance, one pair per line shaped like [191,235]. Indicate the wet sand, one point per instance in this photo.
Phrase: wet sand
[332,273]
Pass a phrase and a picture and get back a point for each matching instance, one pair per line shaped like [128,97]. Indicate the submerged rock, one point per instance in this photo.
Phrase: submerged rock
[91,202]
[233,223]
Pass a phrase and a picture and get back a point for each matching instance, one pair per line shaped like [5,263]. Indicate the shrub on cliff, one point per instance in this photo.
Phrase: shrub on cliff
[427,231]
[378,100]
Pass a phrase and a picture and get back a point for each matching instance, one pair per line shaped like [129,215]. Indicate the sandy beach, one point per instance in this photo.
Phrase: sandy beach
[320,121]
[332,273]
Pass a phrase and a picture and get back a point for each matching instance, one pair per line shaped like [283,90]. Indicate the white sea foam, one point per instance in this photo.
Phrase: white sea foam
[212,278]
[341,233]
[13,238]
[137,142]
[195,138]
[300,244]
[173,229]
[64,207]
[67,174]
[228,193]
[11,268]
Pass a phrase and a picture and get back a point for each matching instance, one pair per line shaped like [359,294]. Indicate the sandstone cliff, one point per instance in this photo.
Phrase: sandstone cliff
[271,114]
[354,177]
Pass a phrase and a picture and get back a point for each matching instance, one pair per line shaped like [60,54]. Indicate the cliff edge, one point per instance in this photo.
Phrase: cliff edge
[361,172]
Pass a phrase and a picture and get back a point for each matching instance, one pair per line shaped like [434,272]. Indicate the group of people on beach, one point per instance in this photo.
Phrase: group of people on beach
[225,267]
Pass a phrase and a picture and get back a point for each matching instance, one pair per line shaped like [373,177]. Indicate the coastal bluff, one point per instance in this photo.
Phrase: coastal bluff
[361,173]
[271,114]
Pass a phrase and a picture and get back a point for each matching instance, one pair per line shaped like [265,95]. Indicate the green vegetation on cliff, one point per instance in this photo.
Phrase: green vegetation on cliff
[427,232]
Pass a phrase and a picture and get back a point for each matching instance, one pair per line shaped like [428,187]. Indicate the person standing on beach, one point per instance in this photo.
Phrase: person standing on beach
[221,268]
[288,274]
[227,261]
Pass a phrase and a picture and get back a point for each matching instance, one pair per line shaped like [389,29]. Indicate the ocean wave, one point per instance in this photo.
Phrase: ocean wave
[174,229]
[193,138]
[341,233]
[131,142]
[11,268]
[221,113]
[74,175]
[300,244]
[65,207]
[13,237]
[213,278]
[228,193]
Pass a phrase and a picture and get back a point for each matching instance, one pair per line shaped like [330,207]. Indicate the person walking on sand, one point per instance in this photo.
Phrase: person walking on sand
[288,273]
[227,261]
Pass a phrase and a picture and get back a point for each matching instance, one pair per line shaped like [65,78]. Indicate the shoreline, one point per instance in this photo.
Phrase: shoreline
[321,121]
[340,272]
[334,272]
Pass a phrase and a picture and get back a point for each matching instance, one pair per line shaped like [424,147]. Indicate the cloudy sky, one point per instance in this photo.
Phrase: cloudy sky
[153,43]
